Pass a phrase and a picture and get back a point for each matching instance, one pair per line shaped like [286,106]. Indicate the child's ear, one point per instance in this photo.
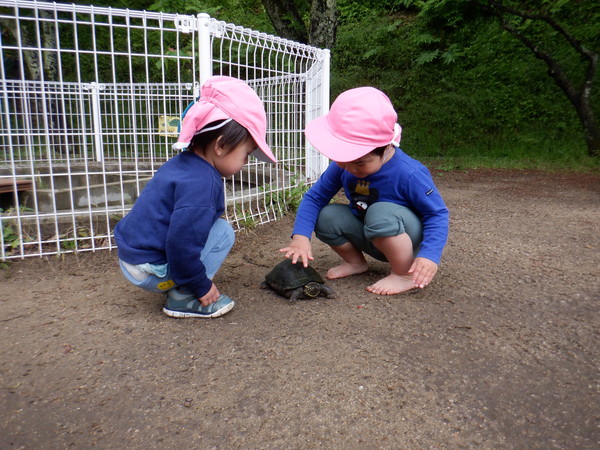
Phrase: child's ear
[219,149]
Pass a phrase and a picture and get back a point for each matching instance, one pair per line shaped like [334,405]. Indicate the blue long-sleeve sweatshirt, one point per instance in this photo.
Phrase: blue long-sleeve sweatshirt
[402,180]
[171,219]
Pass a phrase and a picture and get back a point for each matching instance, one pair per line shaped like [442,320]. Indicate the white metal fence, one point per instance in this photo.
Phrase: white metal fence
[90,103]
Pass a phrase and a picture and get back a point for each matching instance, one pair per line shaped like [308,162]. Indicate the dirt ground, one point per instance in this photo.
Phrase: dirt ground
[500,351]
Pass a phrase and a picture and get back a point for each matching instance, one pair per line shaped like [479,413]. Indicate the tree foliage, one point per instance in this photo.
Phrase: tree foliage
[459,79]
[463,74]
[561,34]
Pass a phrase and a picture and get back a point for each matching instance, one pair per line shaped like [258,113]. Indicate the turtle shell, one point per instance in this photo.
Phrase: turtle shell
[285,275]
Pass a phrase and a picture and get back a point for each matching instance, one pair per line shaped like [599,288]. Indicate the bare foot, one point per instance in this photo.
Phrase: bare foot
[392,284]
[346,269]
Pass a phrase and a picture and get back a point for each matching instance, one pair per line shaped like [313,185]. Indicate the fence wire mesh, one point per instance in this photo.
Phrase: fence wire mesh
[90,104]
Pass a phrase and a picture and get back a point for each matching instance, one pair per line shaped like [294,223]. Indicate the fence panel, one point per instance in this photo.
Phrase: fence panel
[90,104]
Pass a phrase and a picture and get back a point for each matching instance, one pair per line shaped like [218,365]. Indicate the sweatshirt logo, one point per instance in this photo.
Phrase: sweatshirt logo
[363,196]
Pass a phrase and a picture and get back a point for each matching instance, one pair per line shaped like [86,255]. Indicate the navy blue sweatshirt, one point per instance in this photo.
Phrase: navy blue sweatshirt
[171,219]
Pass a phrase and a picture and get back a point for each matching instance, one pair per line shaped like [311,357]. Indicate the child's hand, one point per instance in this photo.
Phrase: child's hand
[210,297]
[423,270]
[299,248]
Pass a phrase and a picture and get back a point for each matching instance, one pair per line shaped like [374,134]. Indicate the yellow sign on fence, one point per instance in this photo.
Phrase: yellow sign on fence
[168,126]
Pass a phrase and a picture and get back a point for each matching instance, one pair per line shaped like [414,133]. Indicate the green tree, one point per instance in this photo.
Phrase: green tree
[563,34]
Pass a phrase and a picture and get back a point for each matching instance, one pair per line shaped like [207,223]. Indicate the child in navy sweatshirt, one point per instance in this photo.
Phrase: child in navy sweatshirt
[174,240]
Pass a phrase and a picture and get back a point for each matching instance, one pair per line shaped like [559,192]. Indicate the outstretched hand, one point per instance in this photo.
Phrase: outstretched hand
[299,248]
[422,270]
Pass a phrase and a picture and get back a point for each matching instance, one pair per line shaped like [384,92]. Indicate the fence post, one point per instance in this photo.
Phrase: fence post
[95,89]
[204,48]
[325,90]
[317,104]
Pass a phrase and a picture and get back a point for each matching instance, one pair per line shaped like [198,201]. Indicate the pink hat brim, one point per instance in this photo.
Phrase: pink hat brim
[359,121]
[263,153]
[321,137]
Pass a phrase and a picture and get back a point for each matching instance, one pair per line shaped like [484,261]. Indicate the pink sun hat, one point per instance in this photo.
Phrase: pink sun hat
[359,121]
[223,97]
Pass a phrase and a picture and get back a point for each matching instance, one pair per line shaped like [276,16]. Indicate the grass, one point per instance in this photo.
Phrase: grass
[489,162]
[288,199]
[584,164]
[532,150]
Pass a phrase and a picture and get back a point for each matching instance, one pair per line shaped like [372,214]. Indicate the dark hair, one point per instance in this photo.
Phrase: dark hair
[232,134]
[378,151]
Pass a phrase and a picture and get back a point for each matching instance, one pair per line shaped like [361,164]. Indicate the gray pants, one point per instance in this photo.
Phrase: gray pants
[337,225]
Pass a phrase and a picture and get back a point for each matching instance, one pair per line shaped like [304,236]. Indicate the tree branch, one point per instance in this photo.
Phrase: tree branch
[575,43]
[580,98]
[556,71]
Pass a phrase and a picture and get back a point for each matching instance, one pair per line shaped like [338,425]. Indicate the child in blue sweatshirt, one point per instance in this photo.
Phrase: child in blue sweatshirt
[174,240]
[395,212]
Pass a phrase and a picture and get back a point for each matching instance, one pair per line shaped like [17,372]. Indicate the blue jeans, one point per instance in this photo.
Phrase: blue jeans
[157,278]
[337,225]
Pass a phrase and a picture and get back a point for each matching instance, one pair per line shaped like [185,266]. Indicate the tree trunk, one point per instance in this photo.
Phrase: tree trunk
[286,20]
[590,127]
[48,32]
[30,67]
[288,23]
[56,121]
[323,23]
[47,112]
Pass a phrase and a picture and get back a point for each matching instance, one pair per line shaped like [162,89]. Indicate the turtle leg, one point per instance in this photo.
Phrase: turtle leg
[327,291]
[297,294]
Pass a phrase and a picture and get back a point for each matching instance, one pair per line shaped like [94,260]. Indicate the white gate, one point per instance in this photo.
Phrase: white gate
[90,104]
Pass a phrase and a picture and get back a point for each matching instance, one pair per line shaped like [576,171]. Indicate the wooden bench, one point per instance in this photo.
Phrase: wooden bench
[22,184]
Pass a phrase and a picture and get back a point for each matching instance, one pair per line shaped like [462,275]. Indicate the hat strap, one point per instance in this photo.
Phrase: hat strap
[397,134]
[206,129]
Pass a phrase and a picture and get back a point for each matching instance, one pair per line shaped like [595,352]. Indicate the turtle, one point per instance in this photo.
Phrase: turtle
[296,282]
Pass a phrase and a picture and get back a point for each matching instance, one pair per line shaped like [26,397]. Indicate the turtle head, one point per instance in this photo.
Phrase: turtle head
[312,289]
